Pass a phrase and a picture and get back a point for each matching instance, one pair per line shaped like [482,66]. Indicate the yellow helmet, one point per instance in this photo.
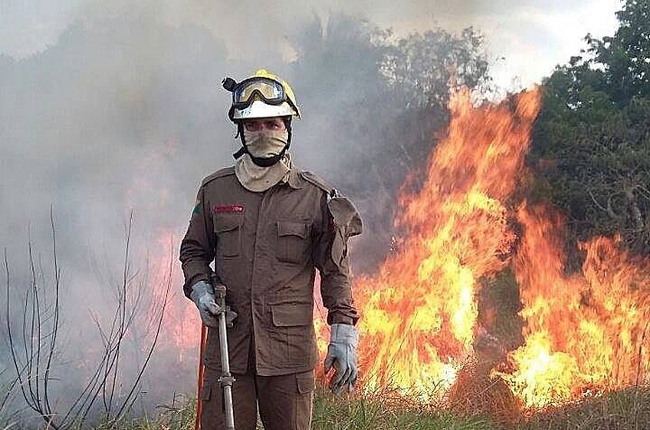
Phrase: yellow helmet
[262,95]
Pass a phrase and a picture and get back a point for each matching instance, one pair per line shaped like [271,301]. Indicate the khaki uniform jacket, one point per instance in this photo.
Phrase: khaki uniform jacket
[266,247]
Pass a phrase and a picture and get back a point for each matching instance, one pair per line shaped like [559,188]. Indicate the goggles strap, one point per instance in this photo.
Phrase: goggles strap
[240,133]
[241,151]
[287,124]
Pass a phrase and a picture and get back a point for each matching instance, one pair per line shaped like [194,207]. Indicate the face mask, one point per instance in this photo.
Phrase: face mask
[266,143]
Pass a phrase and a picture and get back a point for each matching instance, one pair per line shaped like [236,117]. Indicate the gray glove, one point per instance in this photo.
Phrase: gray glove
[342,355]
[203,296]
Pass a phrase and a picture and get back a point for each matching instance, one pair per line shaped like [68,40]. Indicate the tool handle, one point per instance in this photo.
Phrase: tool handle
[219,289]
[226,378]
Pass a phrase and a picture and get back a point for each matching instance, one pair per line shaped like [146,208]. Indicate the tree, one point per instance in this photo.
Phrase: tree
[425,66]
[592,138]
[626,56]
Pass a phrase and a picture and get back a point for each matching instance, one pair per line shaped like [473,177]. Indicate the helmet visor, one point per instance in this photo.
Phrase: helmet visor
[267,90]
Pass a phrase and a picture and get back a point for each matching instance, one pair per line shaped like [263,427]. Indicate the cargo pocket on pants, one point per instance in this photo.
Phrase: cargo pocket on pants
[208,416]
[206,392]
[305,385]
[305,382]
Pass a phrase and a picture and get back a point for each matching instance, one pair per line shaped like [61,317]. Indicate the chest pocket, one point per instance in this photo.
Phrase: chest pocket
[293,241]
[227,228]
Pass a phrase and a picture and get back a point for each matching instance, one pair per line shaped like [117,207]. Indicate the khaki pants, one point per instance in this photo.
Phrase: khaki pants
[285,402]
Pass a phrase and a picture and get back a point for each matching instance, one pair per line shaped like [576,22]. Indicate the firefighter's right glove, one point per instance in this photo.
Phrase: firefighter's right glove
[342,355]
[203,296]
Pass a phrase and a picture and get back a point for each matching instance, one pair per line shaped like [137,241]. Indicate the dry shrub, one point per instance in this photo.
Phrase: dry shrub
[475,392]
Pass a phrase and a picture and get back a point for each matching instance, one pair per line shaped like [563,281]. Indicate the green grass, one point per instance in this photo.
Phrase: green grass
[629,409]
[336,413]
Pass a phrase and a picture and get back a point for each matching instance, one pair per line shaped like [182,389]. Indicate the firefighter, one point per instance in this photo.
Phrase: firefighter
[268,226]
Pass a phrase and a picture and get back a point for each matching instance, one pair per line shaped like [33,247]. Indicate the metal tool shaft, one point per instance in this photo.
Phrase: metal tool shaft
[226,378]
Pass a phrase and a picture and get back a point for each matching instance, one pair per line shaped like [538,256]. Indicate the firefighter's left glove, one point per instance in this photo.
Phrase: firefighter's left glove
[342,356]
[203,296]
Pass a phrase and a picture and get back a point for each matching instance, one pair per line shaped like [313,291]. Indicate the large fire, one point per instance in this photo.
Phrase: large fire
[584,333]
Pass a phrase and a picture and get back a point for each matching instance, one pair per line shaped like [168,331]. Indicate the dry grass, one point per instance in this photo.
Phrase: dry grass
[490,406]
[623,410]
[486,407]
[476,393]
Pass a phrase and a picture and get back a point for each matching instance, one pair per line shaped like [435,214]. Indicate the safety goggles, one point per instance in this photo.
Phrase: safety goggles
[269,91]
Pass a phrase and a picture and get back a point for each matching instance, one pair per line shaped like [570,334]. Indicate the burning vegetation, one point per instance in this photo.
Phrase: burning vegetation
[584,333]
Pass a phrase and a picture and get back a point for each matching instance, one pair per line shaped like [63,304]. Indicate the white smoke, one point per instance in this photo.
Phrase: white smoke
[113,107]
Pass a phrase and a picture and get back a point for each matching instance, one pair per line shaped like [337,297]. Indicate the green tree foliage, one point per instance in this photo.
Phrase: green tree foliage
[627,54]
[592,138]
[423,66]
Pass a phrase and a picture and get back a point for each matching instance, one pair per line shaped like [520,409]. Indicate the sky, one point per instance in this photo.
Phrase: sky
[526,38]
[113,109]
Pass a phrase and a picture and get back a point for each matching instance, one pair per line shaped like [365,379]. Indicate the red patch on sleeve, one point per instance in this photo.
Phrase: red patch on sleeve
[227,208]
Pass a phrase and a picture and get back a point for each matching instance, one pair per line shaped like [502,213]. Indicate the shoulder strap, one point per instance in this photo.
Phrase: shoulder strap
[318,181]
[219,174]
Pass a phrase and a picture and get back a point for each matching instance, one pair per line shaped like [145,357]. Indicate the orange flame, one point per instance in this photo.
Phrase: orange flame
[419,313]
[181,324]
[584,332]
[151,192]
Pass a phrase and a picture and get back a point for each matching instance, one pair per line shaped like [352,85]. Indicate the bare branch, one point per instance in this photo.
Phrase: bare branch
[55,323]
[33,361]
[608,209]
[644,191]
[130,398]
